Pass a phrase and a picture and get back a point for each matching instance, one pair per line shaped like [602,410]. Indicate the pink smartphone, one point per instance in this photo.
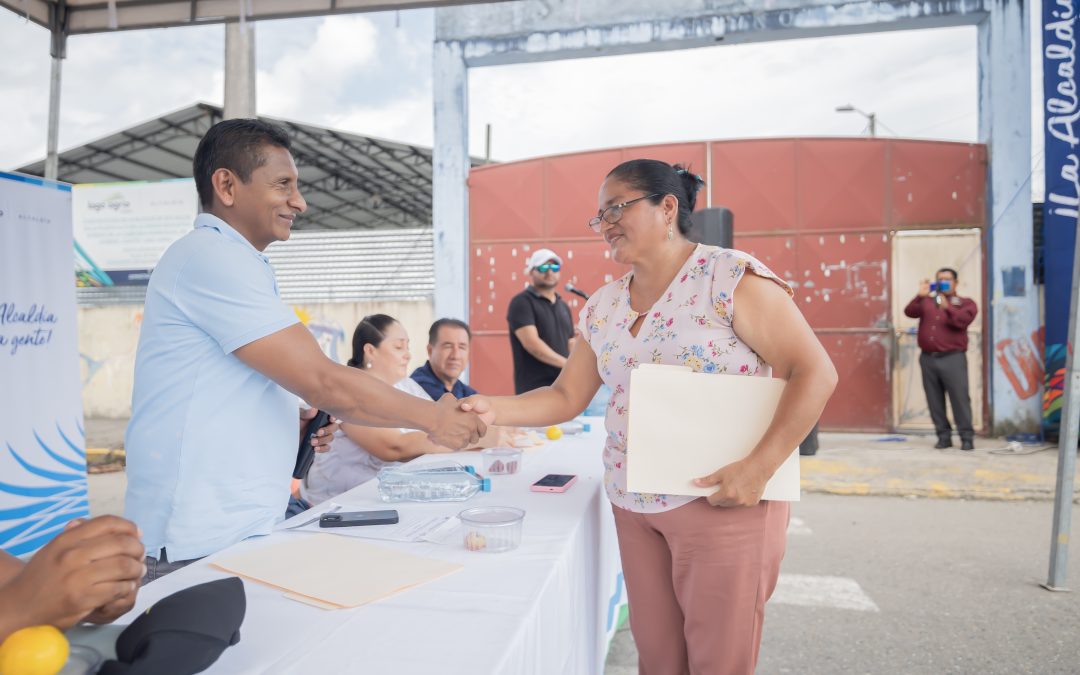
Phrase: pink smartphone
[554,482]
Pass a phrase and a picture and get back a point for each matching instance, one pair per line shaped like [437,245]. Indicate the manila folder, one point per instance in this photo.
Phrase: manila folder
[684,425]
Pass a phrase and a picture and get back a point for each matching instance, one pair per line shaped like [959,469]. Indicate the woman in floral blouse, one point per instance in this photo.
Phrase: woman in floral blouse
[698,571]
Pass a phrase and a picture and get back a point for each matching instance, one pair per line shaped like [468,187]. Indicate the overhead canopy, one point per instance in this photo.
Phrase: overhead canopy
[349,181]
[74,17]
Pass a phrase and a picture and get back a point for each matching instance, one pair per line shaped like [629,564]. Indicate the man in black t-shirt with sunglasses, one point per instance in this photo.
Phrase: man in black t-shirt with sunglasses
[541,326]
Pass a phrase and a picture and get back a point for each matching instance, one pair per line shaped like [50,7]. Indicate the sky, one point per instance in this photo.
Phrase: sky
[371,74]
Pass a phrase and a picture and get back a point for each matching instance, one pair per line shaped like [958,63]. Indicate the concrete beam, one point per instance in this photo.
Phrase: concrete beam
[545,30]
[450,173]
[94,16]
[1005,126]
[240,70]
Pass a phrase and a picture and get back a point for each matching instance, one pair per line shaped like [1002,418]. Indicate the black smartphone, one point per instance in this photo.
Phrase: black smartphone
[305,454]
[354,518]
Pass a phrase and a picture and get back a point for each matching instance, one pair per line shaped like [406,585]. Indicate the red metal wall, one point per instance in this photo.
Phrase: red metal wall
[819,212]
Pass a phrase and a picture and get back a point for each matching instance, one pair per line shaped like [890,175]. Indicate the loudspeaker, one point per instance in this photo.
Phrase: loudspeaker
[715,227]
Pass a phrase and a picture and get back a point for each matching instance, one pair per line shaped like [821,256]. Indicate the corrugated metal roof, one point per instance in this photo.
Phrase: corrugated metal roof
[330,266]
[349,181]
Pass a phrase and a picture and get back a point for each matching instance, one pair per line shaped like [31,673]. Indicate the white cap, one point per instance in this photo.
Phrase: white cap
[539,257]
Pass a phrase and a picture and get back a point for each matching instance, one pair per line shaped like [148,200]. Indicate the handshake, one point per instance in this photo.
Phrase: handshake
[460,424]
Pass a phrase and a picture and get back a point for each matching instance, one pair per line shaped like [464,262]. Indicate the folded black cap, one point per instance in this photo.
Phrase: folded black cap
[183,633]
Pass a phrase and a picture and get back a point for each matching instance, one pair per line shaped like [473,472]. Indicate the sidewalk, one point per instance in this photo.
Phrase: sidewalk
[864,464]
[909,466]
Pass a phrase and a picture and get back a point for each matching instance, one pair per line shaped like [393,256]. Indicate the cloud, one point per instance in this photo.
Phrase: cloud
[406,119]
[911,80]
[109,81]
[311,79]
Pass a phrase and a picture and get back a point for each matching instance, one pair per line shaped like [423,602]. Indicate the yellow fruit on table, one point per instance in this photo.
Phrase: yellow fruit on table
[40,650]
[554,433]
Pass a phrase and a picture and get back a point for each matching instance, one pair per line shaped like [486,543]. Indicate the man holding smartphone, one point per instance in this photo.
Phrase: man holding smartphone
[219,352]
[944,318]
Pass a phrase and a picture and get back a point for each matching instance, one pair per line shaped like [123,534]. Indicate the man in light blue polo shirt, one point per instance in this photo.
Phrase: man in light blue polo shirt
[213,432]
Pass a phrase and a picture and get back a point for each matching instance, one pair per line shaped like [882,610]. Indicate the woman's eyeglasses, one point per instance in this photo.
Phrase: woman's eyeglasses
[548,267]
[613,213]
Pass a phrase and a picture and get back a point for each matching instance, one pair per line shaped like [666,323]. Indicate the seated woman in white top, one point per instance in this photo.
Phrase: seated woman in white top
[381,348]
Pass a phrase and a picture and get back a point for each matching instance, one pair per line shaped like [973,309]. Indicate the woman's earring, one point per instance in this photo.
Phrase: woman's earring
[368,364]
[670,234]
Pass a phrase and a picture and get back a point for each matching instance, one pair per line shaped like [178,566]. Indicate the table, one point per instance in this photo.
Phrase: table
[550,606]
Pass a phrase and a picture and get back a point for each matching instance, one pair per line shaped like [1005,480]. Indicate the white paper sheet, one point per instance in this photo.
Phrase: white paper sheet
[685,425]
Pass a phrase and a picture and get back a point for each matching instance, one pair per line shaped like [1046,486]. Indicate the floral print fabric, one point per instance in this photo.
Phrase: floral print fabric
[691,325]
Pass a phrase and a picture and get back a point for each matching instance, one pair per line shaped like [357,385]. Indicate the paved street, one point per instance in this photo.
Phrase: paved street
[894,585]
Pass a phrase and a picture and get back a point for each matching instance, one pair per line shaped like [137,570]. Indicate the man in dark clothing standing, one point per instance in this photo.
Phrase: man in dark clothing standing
[540,325]
[943,320]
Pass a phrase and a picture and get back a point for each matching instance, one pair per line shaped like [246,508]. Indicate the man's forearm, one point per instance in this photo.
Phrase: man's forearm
[358,398]
[9,567]
[958,317]
[545,354]
[914,308]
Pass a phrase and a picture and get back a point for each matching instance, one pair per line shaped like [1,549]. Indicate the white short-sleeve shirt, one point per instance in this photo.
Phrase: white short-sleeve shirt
[211,443]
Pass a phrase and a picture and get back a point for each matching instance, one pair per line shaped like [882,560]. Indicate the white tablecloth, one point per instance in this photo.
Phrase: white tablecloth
[549,606]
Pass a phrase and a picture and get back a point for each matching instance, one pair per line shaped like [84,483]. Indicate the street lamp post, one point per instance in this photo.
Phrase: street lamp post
[871,117]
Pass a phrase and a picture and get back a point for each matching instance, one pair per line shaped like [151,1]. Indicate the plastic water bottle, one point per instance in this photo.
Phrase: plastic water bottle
[574,427]
[447,482]
[571,428]
[599,403]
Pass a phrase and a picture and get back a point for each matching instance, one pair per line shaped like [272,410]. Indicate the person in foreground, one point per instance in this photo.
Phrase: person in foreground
[89,572]
[698,570]
[219,351]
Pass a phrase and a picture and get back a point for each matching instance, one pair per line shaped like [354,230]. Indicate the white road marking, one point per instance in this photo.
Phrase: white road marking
[808,590]
[798,526]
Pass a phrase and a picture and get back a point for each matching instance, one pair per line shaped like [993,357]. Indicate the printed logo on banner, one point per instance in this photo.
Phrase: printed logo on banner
[46,508]
[114,202]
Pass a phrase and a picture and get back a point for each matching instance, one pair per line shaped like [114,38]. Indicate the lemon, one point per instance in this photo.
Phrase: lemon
[40,650]
[554,433]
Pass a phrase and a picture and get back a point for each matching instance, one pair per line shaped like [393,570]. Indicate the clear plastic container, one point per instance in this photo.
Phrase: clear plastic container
[448,482]
[492,529]
[82,660]
[501,461]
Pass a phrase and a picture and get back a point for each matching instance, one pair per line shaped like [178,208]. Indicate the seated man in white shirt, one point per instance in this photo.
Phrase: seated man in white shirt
[219,351]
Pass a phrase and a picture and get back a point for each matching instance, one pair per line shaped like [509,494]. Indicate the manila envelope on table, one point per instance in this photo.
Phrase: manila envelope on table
[684,425]
[334,572]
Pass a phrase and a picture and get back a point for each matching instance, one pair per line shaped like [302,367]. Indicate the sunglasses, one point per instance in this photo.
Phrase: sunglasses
[548,267]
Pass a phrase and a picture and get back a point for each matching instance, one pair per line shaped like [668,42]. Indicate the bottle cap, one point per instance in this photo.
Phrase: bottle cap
[469,468]
[485,485]
[587,426]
